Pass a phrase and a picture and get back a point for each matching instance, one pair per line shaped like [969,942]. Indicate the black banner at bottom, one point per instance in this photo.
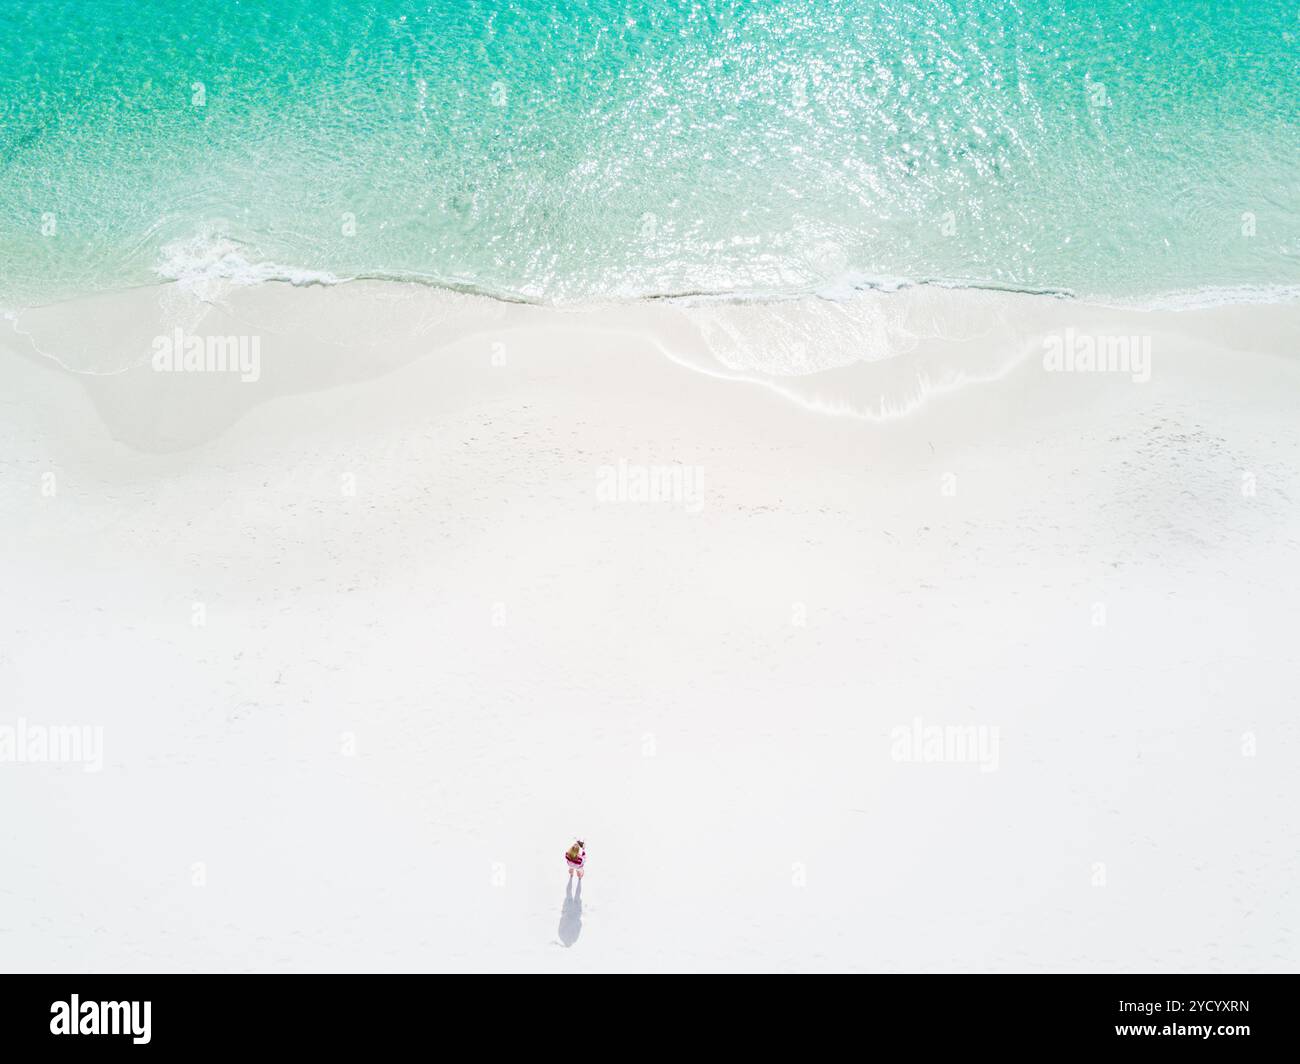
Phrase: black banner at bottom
[382,1013]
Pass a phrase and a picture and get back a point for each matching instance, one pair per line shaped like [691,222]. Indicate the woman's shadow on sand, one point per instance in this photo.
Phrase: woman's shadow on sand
[571,914]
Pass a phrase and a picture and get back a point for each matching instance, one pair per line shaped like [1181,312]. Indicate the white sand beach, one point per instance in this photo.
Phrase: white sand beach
[848,635]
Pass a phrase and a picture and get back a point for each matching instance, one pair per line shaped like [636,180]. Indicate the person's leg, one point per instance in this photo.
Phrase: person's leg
[579,873]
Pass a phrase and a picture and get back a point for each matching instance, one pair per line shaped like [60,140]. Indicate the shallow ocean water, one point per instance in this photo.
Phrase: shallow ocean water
[596,149]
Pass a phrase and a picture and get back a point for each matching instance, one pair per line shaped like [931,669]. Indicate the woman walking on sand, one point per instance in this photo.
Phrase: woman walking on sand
[575,858]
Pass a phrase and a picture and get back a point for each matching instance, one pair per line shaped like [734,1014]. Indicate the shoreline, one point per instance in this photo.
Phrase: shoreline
[845,289]
[879,356]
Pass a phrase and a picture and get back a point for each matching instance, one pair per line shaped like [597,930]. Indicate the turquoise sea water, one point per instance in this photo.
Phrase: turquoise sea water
[627,148]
